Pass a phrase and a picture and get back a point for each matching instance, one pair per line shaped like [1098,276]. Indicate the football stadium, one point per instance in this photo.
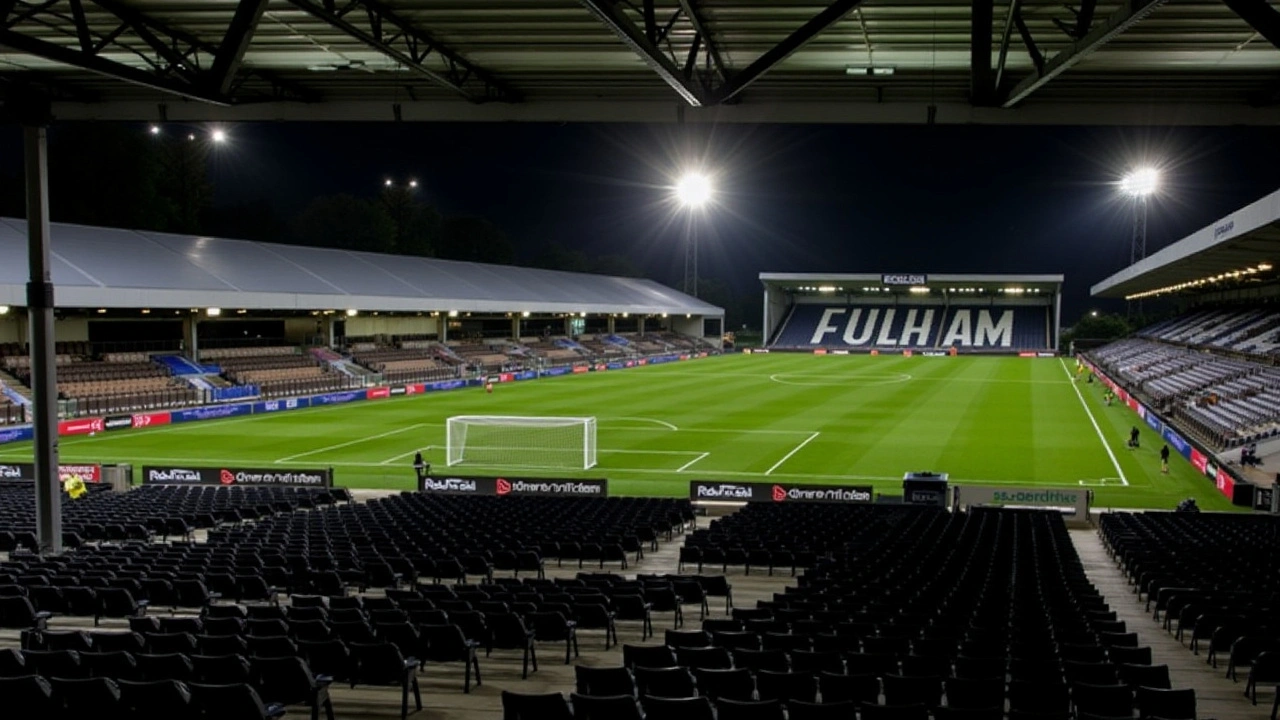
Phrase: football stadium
[253,479]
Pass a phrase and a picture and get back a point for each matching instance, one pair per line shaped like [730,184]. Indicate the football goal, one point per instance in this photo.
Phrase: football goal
[506,441]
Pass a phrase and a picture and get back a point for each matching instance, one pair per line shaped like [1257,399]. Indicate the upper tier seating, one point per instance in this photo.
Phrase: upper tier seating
[279,371]
[552,351]
[119,382]
[1248,330]
[421,361]
[993,327]
[487,357]
[1222,401]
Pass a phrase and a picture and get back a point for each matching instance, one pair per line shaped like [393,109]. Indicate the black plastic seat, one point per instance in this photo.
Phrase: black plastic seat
[383,664]
[548,706]
[289,681]
[239,701]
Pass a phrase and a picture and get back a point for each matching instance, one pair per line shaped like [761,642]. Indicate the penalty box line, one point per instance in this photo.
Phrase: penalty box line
[700,454]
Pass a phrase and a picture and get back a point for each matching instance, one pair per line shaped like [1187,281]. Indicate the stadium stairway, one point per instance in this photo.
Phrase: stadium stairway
[1216,696]
[179,365]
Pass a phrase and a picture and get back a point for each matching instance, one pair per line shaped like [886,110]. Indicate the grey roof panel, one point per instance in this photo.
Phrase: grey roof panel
[253,266]
[126,268]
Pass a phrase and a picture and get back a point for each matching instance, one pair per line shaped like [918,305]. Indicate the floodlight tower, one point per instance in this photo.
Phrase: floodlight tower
[693,191]
[1139,185]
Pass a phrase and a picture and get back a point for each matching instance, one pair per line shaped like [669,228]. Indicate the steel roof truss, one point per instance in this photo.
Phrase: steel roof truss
[410,46]
[1126,16]
[176,58]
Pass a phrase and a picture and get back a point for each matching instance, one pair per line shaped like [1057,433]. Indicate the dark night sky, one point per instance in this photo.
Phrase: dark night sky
[836,198]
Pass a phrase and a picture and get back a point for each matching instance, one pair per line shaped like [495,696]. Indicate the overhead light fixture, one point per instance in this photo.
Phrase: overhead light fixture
[352,312]
[211,312]
[4,309]
[827,288]
[146,311]
[524,314]
[869,70]
[453,313]
[102,311]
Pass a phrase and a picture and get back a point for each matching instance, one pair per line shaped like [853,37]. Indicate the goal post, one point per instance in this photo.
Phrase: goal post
[511,441]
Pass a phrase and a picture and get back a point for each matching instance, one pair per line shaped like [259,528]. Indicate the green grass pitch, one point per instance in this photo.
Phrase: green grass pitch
[853,419]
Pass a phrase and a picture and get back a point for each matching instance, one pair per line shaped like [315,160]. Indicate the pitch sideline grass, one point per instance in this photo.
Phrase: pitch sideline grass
[799,418]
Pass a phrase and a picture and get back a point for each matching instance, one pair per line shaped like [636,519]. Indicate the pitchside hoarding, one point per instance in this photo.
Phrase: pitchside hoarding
[272,477]
[512,486]
[778,492]
[27,472]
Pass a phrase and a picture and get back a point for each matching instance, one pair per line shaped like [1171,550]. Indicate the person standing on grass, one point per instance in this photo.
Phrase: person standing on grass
[420,467]
[1164,459]
[1133,438]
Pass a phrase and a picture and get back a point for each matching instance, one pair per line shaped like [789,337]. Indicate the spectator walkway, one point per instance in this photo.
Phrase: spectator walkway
[1216,696]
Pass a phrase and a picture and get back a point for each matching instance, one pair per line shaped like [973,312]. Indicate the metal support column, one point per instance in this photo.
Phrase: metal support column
[1057,319]
[193,337]
[691,258]
[612,325]
[44,380]
[1138,247]
[515,328]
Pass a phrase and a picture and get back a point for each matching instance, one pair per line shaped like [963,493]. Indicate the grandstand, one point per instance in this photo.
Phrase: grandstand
[888,312]
[1209,369]
[324,321]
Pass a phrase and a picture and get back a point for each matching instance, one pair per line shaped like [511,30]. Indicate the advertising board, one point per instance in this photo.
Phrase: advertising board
[491,486]
[779,492]
[274,477]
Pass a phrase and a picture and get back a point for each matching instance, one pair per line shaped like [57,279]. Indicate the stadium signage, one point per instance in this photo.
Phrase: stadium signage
[934,353]
[1223,229]
[141,420]
[779,492]
[83,426]
[8,435]
[27,472]
[1074,503]
[514,487]
[904,279]
[118,422]
[236,476]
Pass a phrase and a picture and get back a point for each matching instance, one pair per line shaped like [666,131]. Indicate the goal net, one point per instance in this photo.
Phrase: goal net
[522,442]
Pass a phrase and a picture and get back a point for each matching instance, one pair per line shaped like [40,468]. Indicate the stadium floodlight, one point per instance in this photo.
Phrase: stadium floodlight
[218,135]
[694,190]
[506,441]
[155,129]
[1142,182]
[413,183]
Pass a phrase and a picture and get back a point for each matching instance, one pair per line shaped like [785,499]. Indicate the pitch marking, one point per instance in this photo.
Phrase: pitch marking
[829,381]
[1101,438]
[663,423]
[349,443]
[794,450]
[1100,482]
[392,461]
[687,465]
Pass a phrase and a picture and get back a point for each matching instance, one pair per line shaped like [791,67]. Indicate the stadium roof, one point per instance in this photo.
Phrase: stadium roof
[808,282]
[879,61]
[1239,248]
[109,268]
